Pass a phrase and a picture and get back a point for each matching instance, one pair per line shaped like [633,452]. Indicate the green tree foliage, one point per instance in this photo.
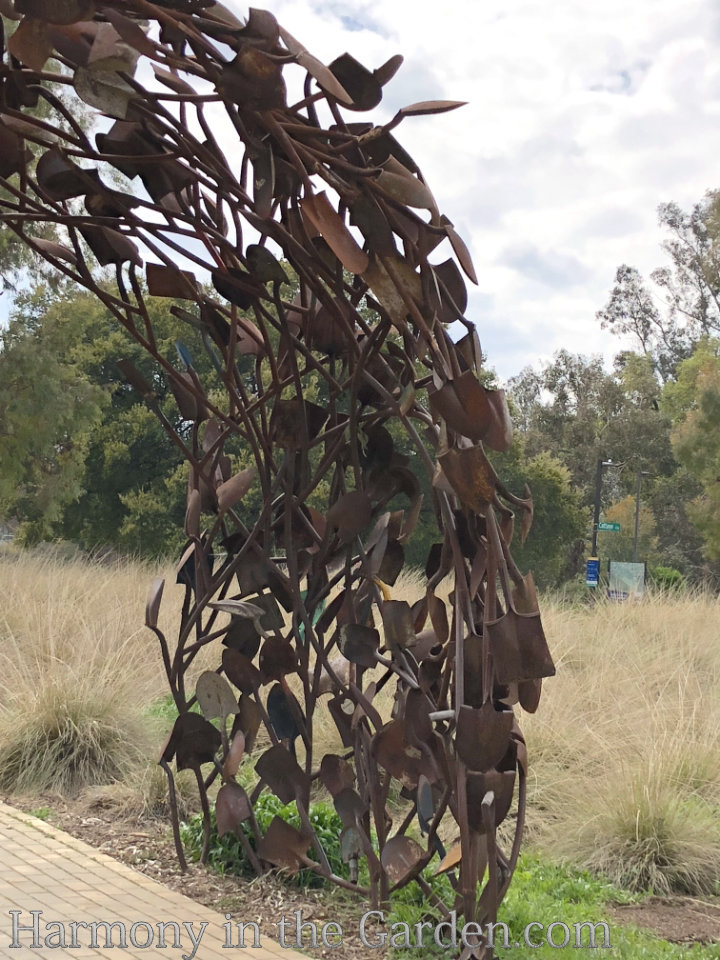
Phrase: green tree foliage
[555,540]
[619,545]
[48,412]
[695,403]
[684,304]
[578,412]
[128,479]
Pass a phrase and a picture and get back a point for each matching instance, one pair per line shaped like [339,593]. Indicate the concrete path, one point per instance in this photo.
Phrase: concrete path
[59,898]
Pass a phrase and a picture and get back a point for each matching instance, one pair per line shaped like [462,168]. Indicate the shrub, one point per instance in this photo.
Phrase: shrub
[667,578]
[227,855]
[75,675]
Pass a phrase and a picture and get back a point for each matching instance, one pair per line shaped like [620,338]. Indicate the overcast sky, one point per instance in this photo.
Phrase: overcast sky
[582,118]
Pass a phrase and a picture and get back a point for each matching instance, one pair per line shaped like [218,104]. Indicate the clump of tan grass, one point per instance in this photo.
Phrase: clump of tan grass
[77,670]
[625,747]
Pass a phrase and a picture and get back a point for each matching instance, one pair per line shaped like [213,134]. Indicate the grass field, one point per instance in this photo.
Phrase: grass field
[624,750]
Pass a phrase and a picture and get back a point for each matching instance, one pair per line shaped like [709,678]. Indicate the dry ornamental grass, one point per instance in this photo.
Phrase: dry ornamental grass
[624,751]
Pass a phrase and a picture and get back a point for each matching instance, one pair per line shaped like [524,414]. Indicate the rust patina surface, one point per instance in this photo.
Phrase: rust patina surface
[239,177]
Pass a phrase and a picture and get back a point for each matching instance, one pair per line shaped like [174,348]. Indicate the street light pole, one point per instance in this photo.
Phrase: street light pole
[640,475]
[596,514]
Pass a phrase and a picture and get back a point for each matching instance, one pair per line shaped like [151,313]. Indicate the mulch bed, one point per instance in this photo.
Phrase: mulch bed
[145,844]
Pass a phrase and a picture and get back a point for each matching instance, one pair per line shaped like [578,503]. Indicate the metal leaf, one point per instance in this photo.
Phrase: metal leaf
[425,107]
[482,735]
[326,220]
[284,846]
[234,756]
[232,807]
[164,281]
[336,774]
[152,607]
[398,624]
[238,608]
[471,476]
[350,514]
[400,857]
[240,670]
[359,644]
[104,90]
[280,771]
[31,43]
[234,489]
[57,11]
[214,695]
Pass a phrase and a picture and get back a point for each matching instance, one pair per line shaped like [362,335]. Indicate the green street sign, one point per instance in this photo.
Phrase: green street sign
[615,527]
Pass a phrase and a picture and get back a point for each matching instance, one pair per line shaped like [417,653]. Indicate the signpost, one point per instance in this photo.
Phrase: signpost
[614,527]
[592,572]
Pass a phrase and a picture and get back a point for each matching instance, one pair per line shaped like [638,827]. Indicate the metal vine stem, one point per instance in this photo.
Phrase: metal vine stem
[236,176]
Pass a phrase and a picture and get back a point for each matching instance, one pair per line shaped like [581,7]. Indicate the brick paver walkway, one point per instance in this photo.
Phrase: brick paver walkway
[65,880]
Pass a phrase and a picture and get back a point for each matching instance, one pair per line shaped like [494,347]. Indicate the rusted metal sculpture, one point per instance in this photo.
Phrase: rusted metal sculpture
[303,243]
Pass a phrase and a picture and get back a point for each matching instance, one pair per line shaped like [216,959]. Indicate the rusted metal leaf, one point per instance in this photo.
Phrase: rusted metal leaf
[234,756]
[110,246]
[31,43]
[185,393]
[130,31]
[215,697]
[387,71]
[336,774]
[48,247]
[263,265]
[239,608]
[519,648]
[350,807]
[104,90]
[529,692]
[164,281]
[277,659]
[240,670]
[359,644]
[461,252]
[56,11]
[471,476]
[290,419]
[451,860]
[232,807]
[282,709]
[426,107]
[284,846]
[482,735]
[12,152]
[280,771]
[400,856]
[248,721]
[350,514]
[401,185]
[152,607]
[361,87]
[234,489]
[326,220]
[193,742]
[398,624]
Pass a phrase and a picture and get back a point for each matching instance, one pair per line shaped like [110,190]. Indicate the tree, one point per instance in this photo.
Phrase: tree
[666,325]
[631,310]
[117,478]
[554,544]
[48,412]
[620,545]
[695,402]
